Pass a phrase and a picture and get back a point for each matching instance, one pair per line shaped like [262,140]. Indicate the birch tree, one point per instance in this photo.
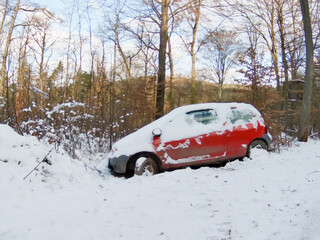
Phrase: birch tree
[42,37]
[224,52]
[192,18]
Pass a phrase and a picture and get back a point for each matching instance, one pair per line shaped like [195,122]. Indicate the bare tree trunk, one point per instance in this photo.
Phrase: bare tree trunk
[65,94]
[6,49]
[4,83]
[295,46]
[220,85]
[273,50]
[171,97]
[41,66]
[284,59]
[195,5]
[283,48]
[111,87]
[4,17]
[125,61]
[92,74]
[193,77]
[81,40]
[162,58]
[307,93]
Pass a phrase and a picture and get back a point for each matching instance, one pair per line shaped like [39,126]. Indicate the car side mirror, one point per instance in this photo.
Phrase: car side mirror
[157,132]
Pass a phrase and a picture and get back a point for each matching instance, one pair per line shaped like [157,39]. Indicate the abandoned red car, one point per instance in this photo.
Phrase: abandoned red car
[191,135]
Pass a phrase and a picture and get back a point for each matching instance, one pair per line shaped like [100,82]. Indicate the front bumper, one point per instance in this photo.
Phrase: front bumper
[118,164]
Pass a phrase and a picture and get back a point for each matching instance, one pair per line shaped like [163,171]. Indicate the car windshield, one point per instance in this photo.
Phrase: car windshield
[190,124]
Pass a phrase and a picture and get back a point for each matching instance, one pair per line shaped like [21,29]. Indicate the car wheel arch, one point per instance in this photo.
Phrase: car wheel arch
[255,142]
[132,161]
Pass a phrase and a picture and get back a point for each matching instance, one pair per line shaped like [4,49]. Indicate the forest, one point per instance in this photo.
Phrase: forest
[96,70]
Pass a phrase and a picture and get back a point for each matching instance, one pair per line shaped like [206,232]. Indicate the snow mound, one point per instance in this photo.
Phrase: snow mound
[273,196]
[18,152]
[19,155]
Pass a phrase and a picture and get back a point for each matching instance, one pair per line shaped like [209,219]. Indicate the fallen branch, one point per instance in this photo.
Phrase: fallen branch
[43,160]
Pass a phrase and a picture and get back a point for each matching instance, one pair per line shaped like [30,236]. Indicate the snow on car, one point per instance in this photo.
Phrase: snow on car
[191,135]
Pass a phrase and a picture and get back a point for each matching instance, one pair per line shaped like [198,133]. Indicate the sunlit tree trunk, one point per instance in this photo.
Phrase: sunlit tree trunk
[307,93]
[162,58]
[195,6]
[171,96]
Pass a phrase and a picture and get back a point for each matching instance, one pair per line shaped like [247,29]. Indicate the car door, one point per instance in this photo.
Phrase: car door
[199,137]
[241,133]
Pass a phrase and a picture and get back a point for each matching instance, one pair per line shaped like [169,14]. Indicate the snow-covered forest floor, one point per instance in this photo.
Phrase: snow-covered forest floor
[273,196]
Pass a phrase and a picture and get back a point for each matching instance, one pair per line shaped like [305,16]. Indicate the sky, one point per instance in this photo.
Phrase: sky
[54,6]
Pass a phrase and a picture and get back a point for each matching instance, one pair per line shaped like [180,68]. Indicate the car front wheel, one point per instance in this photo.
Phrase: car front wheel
[146,166]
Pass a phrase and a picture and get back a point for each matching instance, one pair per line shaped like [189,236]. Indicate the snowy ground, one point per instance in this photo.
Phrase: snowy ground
[273,196]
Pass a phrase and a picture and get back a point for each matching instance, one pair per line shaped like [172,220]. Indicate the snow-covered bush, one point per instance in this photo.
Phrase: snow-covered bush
[68,125]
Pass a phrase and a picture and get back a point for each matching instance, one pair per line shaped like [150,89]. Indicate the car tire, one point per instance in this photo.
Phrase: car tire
[260,144]
[146,166]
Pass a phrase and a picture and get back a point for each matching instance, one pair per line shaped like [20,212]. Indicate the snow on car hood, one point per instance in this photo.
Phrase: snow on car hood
[141,140]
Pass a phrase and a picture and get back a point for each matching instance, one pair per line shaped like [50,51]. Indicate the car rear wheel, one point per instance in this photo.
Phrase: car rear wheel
[256,144]
[146,166]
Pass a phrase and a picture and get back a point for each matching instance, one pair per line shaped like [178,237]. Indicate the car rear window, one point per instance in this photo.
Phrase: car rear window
[205,116]
[243,115]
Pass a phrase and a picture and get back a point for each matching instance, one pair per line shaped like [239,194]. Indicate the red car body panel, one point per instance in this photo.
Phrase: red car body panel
[241,137]
[215,146]
[194,150]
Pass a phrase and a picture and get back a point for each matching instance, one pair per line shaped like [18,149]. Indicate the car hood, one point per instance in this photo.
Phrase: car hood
[138,141]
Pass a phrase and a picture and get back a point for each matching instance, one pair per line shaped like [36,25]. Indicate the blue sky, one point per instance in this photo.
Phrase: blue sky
[54,6]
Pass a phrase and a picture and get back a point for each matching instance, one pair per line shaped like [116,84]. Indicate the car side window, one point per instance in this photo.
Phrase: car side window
[241,116]
[205,116]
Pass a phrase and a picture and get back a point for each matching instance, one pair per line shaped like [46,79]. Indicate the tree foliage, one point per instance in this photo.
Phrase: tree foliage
[106,75]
